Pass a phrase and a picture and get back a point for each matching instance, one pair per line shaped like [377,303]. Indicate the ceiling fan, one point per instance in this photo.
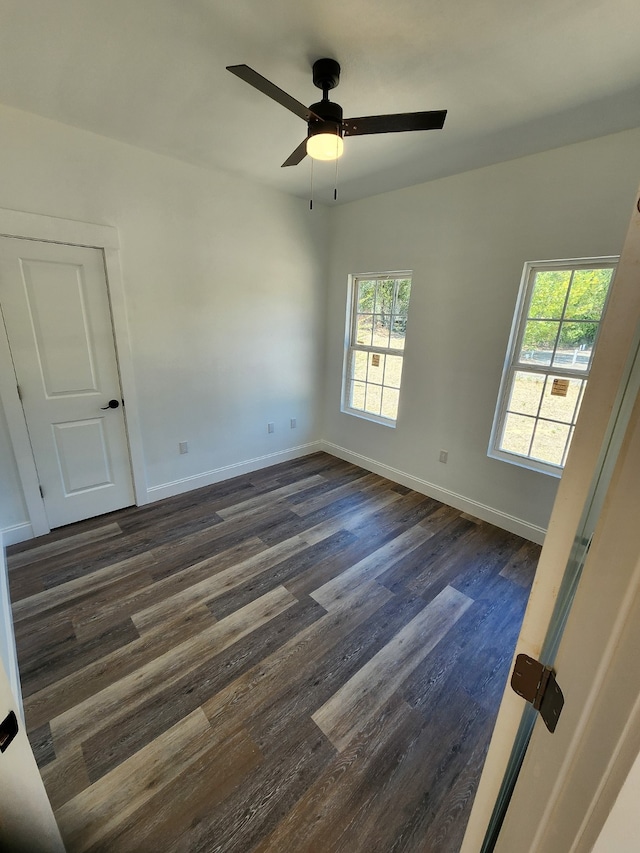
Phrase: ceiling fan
[325,123]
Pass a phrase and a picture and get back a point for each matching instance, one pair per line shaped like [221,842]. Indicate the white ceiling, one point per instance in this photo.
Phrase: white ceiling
[516,76]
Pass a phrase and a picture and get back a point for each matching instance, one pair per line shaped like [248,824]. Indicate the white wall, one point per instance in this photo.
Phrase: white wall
[466,238]
[224,285]
[226,292]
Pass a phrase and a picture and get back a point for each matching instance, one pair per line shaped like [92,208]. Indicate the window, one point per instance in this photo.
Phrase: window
[377,318]
[552,342]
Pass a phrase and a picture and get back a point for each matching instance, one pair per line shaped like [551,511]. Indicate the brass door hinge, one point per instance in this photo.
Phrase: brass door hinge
[537,683]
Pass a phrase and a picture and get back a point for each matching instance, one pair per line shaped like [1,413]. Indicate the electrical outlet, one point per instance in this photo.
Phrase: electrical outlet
[271,427]
[444,456]
[183,446]
[294,423]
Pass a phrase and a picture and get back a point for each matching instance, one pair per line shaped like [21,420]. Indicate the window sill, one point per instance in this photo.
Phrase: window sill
[525,462]
[365,416]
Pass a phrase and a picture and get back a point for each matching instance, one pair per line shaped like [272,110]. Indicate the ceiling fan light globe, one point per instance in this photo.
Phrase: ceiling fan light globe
[325,146]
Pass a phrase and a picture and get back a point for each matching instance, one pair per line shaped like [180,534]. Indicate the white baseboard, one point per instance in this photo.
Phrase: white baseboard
[479,510]
[21,532]
[16,533]
[208,478]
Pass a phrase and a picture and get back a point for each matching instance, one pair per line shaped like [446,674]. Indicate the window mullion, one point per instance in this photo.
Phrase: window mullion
[579,397]
[562,316]
[523,315]
[537,415]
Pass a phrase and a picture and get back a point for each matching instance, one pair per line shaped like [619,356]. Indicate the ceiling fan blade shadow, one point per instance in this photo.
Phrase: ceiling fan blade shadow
[394,123]
[271,90]
[298,155]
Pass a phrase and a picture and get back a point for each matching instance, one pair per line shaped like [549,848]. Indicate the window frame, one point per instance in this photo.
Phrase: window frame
[350,346]
[512,364]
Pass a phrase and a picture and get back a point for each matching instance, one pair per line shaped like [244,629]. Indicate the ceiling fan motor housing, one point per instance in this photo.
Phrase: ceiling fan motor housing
[331,115]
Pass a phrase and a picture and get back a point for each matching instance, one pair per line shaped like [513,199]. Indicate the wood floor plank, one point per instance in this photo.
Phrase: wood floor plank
[89,558]
[263,684]
[65,777]
[279,573]
[16,559]
[110,581]
[304,658]
[251,812]
[158,591]
[417,766]
[465,727]
[118,699]
[92,813]
[367,484]
[205,784]
[342,657]
[318,819]
[371,566]
[342,716]
[445,829]
[268,499]
[58,660]
[350,519]
[520,568]
[73,688]
[216,583]
[370,537]
[118,739]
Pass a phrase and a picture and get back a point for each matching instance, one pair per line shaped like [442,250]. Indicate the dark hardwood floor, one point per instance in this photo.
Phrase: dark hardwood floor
[306,658]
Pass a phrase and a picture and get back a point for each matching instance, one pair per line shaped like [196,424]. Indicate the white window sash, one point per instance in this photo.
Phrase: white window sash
[513,363]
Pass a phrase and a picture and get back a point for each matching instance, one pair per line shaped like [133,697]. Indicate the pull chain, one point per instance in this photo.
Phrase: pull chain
[311,189]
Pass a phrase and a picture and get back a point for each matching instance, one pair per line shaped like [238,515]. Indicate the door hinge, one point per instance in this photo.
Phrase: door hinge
[537,683]
[41,491]
[19,393]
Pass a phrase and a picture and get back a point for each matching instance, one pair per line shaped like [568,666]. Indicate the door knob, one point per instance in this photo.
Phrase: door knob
[112,404]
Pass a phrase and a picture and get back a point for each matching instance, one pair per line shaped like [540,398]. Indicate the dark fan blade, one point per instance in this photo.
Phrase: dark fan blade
[271,90]
[298,155]
[432,120]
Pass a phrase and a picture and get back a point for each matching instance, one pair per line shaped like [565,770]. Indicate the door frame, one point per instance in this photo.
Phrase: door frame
[50,229]
[617,337]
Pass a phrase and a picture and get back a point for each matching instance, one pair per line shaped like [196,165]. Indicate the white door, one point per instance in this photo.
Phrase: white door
[569,780]
[55,306]
[26,819]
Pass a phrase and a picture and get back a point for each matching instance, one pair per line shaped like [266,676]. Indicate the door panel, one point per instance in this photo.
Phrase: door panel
[83,455]
[56,309]
[56,301]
